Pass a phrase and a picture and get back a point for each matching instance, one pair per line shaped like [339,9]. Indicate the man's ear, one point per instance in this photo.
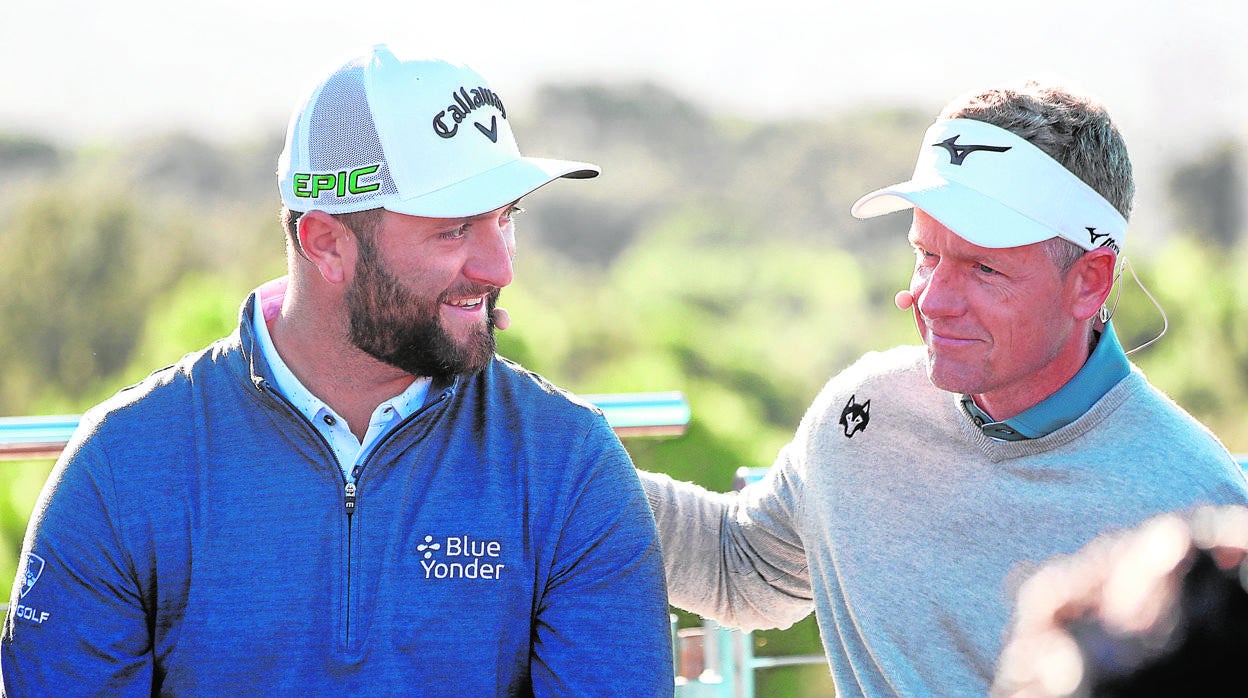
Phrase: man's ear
[1090,280]
[328,244]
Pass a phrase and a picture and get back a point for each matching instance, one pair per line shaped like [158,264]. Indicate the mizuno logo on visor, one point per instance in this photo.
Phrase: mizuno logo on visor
[958,153]
[1102,239]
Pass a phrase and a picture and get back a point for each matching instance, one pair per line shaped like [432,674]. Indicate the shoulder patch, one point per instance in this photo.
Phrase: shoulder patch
[34,568]
[855,416]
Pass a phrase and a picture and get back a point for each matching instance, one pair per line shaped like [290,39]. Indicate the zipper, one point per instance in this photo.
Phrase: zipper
[349,495]
[349,499]
[349,503]
[350,490]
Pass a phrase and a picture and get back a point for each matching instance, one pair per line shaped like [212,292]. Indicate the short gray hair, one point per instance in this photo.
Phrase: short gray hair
[1063,252]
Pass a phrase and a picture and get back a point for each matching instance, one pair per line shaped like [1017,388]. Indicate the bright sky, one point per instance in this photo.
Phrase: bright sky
[83,69]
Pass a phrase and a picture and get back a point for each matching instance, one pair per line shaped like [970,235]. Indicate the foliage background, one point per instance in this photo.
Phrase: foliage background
[714,256]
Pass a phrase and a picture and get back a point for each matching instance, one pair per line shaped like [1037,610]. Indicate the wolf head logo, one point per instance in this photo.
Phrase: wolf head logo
[854,417]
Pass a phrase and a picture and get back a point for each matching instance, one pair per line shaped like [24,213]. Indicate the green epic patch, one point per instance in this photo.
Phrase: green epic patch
[310,185]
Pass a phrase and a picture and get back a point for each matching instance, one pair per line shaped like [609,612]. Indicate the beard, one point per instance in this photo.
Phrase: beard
[393,325]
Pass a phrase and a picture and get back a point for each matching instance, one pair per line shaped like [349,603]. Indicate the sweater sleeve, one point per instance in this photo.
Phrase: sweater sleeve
[601,625]
[77,623]
[736,558]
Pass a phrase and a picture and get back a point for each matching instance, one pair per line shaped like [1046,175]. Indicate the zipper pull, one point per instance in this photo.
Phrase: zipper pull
[350,497]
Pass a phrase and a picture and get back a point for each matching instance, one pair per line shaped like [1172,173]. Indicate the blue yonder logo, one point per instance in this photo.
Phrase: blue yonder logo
[461,557]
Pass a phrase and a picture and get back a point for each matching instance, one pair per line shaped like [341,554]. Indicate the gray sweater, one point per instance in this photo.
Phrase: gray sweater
[908,530]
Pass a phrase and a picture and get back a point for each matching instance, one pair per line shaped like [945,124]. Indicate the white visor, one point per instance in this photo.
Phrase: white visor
[995,189]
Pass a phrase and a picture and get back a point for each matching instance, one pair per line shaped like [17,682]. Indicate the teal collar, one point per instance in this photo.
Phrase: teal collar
[1104,368]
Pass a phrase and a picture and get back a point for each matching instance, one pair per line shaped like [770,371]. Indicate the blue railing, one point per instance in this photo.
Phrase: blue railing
[629,414]
[717,662]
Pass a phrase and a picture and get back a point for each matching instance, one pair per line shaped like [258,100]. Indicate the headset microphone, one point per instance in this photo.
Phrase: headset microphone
[903,300]
[500,318]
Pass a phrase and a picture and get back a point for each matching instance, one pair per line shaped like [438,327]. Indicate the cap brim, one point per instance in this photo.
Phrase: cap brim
[492,189]
[973,216]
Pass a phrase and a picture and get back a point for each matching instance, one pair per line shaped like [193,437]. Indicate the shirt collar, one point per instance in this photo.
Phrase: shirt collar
[268,305]
[1105,367]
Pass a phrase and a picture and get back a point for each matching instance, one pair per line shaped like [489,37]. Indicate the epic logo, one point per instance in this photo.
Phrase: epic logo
[310,185]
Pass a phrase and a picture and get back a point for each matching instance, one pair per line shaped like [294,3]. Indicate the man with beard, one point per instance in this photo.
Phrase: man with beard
[352,494]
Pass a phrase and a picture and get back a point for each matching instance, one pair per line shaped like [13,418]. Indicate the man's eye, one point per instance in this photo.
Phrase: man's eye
[455,233]
[985,269]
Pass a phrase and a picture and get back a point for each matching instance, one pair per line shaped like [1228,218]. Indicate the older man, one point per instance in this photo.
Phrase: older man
[923,478]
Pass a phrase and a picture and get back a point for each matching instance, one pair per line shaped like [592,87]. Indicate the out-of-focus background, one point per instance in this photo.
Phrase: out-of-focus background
[715,255]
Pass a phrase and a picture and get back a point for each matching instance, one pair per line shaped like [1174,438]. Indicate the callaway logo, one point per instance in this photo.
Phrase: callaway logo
[465,102]
[958,153]
[491,132]
[461,557]
[855,417]
[1102,240]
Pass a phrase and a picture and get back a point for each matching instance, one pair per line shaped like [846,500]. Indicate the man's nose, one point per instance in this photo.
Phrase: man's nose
[493,251]
[940,294]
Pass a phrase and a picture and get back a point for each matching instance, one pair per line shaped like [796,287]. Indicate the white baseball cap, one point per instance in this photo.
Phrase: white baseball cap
[996,189]
[422,137]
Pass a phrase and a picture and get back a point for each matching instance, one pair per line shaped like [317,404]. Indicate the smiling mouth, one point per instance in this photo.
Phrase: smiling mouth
[468,303]
[941,338]
[470,299]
